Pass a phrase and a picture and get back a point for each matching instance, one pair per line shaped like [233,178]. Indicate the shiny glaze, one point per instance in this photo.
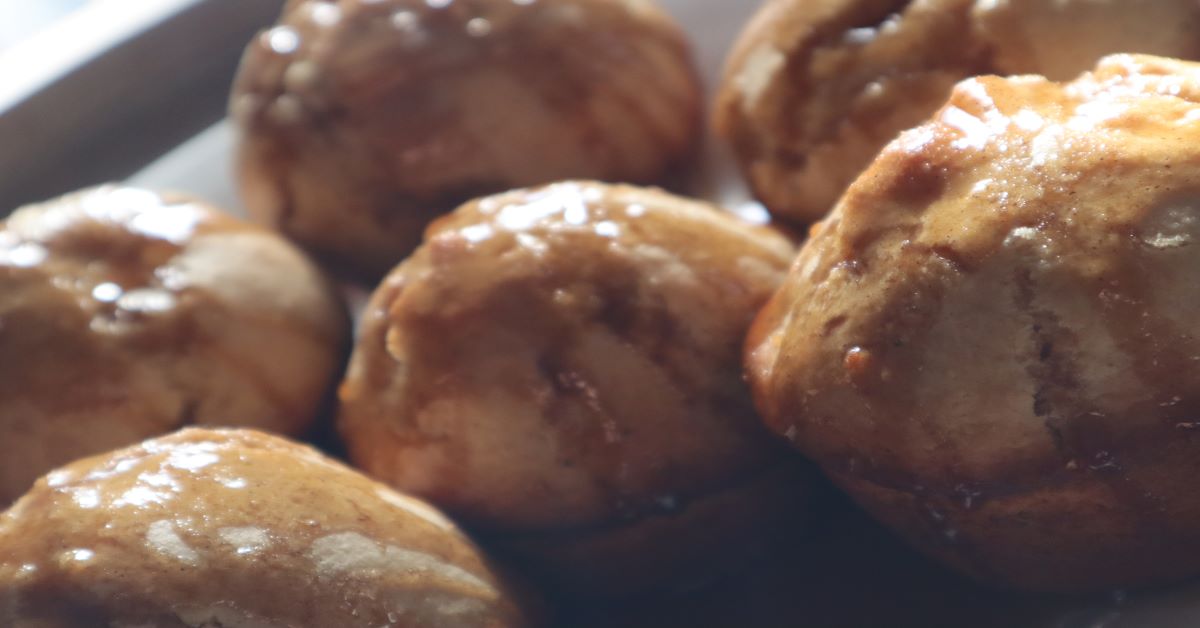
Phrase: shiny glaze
[239,528]
[992,334]
[395,111]
[109,249]
[124,314]
[814,89]
[563,360]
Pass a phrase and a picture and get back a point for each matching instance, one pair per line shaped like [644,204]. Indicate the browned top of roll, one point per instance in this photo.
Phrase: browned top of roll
[1007,293]
[565,356]
[125,314]
[814,88]
[240,529]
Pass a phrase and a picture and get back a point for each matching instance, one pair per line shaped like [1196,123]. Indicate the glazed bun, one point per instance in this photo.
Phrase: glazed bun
[991,342]
[560,368]
[125,314]
[362,121]
[815,88]
[1061,38]
[236,529]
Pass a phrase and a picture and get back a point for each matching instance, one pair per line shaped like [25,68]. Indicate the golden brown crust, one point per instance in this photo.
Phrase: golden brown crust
[125,314]
[362,121]
[989,342]
[237,529]
[563,359]
[813,89]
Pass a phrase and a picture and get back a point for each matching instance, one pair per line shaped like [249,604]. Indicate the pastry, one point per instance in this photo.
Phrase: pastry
[237,528]
[125,314]
[362,121]
[559,368]
[990,343]
[815,88]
